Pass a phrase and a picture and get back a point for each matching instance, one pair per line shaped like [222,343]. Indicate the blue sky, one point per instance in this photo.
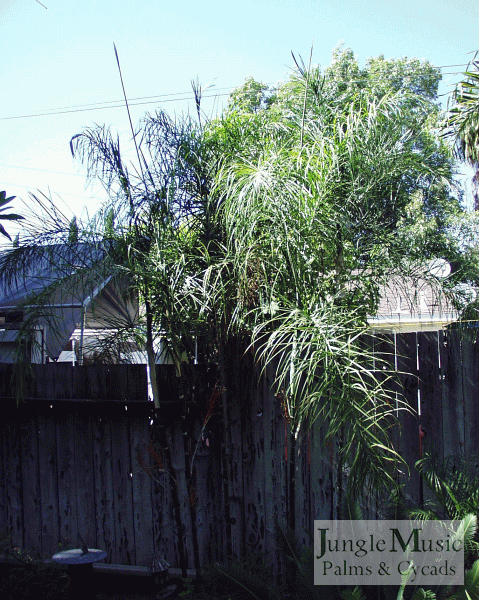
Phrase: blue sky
[60,58]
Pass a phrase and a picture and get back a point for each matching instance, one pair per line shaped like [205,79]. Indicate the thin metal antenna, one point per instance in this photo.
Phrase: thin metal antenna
[41,4]
[129,117]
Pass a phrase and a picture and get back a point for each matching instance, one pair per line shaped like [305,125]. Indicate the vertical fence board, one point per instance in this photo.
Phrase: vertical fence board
[12,455]
[303,525]
[279,438]
[4,472]
[142,508]
[136,389]
[84,470]
[124,551]
[162,504]
[408,445]
[321,493]
[32,515]
[179,473]
[212,484]
[253,471]
[47,455]
[67,489]
[430,385]
[452,394]
[240,389]
[103,485]
[470,378]
[63,374]
[203,487]
[272,472]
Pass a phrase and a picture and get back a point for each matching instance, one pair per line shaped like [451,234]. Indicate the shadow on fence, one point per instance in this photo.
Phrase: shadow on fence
[85,454]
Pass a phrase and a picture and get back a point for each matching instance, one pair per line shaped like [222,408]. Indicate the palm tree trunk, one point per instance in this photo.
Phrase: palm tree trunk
[165,435]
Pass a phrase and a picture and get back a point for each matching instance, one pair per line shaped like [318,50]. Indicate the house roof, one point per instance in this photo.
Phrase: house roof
[59,282]
[413,304]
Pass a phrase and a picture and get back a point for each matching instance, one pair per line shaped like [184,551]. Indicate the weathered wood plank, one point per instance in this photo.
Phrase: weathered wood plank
[3,478]
[12,460]
[470,378]
[430,386]
[238,394]
[205,482]
[204,489]
[321,472]
[385,347]
[209,493]
[47,455]
[103,482]
[302,487]
[32,514]
[254,470]
[274,469]
[63,374]
[406,345]
[141,488]
[67,481]
[164,536]
[124,551]
[453,409]
[85,488]
[6,372]
[136,384]
[179,468]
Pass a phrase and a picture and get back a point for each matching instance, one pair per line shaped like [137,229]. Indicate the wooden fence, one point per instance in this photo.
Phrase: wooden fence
[85,454]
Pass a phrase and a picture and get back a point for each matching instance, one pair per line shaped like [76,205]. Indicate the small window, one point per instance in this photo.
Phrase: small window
[13,316]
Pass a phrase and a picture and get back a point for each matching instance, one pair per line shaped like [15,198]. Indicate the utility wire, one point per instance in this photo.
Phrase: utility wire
[51,191]
[163,97]
[41,170]
[101,108]
[129,100]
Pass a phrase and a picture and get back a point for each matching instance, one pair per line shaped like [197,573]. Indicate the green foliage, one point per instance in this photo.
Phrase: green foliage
[247,579]
[250,97]
[73,231]
[463,117]
[354,594]
[462,121]
[4,201]
[422,594]
[454,485]
[336,186]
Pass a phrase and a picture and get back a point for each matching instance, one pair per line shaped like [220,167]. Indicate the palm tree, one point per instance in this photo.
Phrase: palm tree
[463,119]
[9,217]
[311,196]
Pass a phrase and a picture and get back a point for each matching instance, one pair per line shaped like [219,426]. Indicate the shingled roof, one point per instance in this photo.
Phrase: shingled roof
[413,304]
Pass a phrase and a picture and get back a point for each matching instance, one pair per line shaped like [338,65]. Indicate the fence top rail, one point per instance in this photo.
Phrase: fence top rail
[123,384]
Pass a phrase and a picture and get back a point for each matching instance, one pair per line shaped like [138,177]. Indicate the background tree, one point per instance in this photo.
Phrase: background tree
[462,122]
[323,193]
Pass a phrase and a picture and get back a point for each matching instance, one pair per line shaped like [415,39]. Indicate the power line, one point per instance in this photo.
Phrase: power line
[167,98]
[120,100]
[450,66]
[46,114]
[41,170]
[51,191]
